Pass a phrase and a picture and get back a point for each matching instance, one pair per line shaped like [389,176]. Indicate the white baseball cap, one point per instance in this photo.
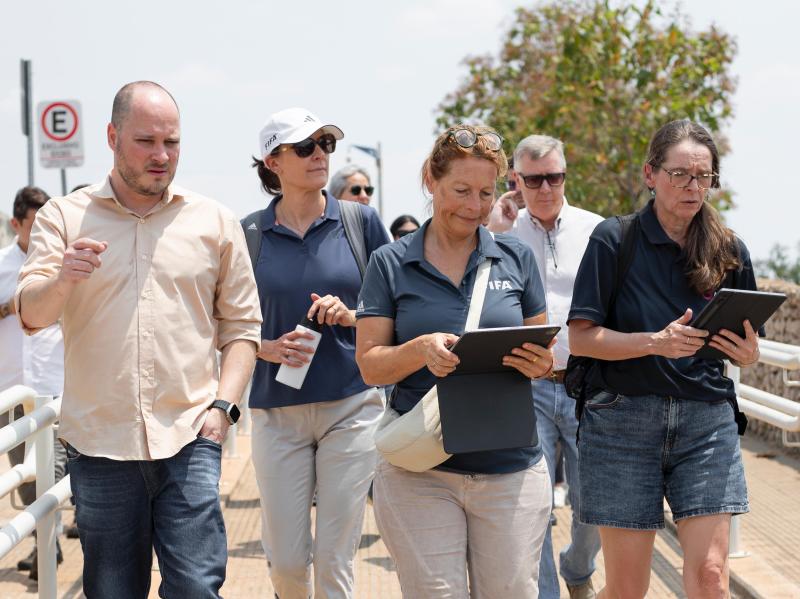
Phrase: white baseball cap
[291,126]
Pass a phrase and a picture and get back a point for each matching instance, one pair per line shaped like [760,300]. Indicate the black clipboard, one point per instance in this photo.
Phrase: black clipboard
[484,405]
[729,309]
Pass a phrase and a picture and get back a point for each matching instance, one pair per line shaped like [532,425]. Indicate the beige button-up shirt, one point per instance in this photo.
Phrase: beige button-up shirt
[141,334]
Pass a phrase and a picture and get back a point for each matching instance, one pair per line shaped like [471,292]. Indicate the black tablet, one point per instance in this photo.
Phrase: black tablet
[729,309]
[482,350]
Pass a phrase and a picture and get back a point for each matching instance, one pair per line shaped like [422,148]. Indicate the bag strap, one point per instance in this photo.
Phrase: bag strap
[478,294]
[629,224]
[252,234]
[353,222]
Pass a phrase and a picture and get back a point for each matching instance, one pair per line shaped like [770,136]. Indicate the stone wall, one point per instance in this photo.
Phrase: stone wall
[784,326]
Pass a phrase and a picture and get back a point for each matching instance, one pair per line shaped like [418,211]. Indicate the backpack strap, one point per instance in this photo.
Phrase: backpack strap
[252,234]
[353,222]
[629,224]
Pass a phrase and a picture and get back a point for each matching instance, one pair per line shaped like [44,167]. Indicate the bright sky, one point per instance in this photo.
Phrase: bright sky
[376,69]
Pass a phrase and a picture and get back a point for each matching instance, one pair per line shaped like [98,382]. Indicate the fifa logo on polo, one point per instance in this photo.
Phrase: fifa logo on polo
[500,285]
[270,141]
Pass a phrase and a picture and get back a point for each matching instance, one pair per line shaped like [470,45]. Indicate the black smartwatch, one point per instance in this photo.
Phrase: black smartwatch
[232,412]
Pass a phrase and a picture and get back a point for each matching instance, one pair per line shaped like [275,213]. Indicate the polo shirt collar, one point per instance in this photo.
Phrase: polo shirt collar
[106,191]
[487,247]
[331,212]
[652,228]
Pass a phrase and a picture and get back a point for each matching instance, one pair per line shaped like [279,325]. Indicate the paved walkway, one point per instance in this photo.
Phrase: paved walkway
[770,533]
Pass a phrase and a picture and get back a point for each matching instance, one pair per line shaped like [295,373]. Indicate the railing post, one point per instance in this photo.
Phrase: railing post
[735,540]
[46,526]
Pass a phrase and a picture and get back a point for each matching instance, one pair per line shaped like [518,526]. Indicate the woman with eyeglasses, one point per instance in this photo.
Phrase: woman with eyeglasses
[403,225]
[322,434]
[351,183]
[659,422]
[474,525]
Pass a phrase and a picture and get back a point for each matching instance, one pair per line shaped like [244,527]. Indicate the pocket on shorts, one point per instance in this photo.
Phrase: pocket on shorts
[602,399]
[72,453]
[208,441]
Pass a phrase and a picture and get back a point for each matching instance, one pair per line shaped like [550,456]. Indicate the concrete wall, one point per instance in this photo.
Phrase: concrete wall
[784,326]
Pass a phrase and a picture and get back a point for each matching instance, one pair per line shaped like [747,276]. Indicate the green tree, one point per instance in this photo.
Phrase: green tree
[779,265]
[603,79]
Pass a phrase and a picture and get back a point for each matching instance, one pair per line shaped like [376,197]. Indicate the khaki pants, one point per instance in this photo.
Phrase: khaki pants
[457,536]
[329,446]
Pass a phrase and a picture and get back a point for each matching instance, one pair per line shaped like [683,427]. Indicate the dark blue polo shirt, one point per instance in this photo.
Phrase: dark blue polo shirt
[400,284]
[289,268]
[654,293]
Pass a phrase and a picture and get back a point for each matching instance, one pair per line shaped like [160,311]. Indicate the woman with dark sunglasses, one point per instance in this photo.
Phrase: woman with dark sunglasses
[320,436]
[351,183]
[474,525]
[403,225]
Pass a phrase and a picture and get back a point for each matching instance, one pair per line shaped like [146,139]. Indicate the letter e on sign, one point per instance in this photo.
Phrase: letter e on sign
[60,133]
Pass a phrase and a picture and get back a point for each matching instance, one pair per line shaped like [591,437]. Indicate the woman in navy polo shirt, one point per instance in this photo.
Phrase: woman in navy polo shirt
[484,513]
[321,435]
[658,422]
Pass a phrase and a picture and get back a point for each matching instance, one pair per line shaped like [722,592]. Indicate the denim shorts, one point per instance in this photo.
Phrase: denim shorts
[637,450]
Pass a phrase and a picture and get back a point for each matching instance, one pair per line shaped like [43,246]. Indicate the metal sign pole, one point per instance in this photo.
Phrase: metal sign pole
[379,160]
[63,181]
[26,84]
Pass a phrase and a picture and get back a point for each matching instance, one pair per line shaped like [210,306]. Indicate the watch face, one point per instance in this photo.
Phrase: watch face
[234,413]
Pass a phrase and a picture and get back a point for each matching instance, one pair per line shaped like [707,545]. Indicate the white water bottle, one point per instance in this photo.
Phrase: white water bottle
[294,376]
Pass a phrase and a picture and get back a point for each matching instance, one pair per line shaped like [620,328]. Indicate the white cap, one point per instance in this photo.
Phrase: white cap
[291,126]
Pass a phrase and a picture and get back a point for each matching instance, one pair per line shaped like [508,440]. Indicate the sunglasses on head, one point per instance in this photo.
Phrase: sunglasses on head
[535,181]
[466,138]
[368,189]
[305,148]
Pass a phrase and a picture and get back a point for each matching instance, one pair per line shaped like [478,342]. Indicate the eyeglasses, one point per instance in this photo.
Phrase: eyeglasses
[368,189]
[466,138]
[682,180]
[404,232]
[305,148]
[535,181]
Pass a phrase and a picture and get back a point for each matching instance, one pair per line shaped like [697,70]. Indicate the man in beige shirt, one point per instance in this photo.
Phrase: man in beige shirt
[149,280]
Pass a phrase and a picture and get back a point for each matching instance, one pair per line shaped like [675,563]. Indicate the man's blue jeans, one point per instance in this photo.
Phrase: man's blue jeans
[125,509]
[555,421]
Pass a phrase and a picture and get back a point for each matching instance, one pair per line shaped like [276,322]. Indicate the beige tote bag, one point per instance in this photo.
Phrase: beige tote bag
[413,441]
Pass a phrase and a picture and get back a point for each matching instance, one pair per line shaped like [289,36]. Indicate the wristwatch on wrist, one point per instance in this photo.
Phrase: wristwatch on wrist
[232,412]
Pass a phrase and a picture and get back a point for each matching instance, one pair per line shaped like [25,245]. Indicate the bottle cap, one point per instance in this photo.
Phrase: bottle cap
[312,324]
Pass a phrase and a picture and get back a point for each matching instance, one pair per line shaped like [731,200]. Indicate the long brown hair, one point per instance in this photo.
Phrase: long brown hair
[711,248]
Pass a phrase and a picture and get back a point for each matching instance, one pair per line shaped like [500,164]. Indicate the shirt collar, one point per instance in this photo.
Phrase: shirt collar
[331,212]
[487,247]
[652,228]
[106,191]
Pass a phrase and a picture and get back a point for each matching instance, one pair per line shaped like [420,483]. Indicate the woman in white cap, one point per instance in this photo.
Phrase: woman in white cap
[319,435]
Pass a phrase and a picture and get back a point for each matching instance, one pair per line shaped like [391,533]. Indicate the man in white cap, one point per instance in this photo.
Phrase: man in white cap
[149,280]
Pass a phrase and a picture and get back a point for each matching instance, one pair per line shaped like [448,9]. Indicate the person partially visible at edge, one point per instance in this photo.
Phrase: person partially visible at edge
[36,362]
[473,526]
[658,421]
[558,234]
[403,225]
[352,183]
[321,435]
[150,280]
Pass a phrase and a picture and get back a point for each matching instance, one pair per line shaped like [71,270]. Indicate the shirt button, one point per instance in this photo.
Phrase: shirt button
[141,221]
[144,374]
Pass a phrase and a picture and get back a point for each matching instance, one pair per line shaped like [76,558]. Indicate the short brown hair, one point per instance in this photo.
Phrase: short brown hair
[445,151]
[28,198]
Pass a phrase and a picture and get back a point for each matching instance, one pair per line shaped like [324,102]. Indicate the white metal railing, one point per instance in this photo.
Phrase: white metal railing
[767,407]
[41,514]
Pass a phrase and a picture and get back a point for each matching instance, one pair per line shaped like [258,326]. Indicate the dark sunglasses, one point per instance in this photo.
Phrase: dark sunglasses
[535,181]
[305,148]
[368,189]
[404,232]
[466,138]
